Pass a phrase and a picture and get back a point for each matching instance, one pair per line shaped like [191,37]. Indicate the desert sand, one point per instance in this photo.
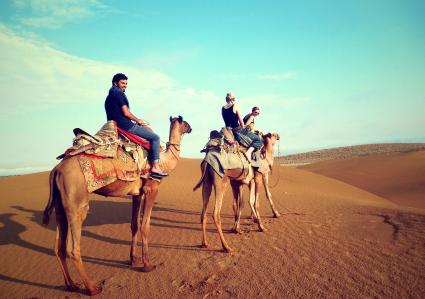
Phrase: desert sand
[351,227]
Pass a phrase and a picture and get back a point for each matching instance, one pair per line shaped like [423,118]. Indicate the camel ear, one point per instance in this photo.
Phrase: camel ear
[180,118]
[171,118]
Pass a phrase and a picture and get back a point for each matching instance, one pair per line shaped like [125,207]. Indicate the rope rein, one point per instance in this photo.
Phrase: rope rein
[278,167]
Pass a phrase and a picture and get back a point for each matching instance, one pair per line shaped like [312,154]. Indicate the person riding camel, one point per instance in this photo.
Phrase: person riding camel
[249,120]
[232,118]
[117,108]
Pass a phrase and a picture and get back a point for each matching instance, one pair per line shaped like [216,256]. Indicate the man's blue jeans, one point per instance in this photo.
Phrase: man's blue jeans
[151,137]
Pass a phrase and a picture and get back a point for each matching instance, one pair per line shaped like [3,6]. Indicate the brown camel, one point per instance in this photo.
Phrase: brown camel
[70,198]
[210,179]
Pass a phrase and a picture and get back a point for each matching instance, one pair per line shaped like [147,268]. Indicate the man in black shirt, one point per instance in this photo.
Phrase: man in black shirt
[117,108]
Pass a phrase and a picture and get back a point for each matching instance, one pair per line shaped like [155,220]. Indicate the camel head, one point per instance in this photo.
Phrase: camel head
[270,140]
[181,125]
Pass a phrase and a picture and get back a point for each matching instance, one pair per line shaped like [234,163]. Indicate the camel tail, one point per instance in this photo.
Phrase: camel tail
[204,171]
[53,194]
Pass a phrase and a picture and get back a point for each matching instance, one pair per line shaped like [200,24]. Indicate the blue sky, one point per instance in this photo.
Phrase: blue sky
[324,73]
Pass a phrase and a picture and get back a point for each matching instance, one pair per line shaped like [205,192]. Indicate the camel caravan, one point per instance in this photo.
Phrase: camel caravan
[124,159]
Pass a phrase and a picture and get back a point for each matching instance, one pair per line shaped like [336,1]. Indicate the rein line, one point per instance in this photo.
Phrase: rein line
[278,169]
[176,147]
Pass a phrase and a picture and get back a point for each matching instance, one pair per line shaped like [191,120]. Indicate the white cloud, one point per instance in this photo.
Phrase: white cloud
[277,76]
[38,74]
[54,14]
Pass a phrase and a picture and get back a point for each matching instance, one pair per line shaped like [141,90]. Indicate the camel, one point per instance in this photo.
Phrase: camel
[210,179]
[70,198]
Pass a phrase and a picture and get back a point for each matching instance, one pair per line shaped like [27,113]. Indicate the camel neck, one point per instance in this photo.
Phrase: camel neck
[169,159]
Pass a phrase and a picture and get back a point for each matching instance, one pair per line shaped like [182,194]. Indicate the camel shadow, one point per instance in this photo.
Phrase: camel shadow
[104,212]
[30,283]
[100,214]
[10,234]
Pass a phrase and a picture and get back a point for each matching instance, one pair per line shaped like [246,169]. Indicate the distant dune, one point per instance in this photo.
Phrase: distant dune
[346,152]
[347,230]
[397,177]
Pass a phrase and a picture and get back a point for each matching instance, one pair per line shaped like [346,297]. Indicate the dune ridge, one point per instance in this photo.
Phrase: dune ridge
[346,152]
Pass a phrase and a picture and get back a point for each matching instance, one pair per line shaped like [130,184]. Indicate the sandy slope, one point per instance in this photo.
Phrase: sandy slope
[347,152]
[333,240]
[397,177]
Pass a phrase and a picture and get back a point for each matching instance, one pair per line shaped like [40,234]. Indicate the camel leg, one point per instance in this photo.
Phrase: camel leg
[219,187]
[237,205]
[75,203]
[135,225]
[150,191]
[276,213]
[75,221]
[252,199]
[206,193]
[258,182]
[60,247]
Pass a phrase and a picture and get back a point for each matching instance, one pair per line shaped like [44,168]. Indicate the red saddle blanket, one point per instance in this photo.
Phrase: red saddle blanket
[134,138]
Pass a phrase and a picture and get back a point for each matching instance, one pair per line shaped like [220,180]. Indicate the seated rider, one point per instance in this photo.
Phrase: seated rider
[118,109]
[232,118]
[249,119]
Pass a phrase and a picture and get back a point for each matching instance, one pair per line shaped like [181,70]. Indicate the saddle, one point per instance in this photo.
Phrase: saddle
[104,143]
[222,141]
[222,147]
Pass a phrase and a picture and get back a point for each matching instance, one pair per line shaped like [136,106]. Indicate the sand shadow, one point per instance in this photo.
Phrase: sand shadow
[100,214]
[10,234]
[30,283]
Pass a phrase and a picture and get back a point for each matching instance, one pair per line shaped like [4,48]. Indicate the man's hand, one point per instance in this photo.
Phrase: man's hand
[140,122]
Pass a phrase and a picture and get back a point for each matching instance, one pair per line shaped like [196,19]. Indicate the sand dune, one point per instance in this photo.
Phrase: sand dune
[398,177]
[347,152]
[335,238]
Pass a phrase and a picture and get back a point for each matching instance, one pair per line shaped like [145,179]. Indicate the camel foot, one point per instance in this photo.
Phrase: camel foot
[262,229]
[204,245]
[97,289]
[228,250]
[276,215]
[237,230]
[136,262]
[147,268]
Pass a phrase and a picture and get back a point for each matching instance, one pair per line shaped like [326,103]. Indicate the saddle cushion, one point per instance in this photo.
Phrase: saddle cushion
[134,138]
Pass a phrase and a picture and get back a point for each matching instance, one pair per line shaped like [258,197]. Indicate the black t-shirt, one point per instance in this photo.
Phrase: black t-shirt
[113,107]
[230,118]
[245,119]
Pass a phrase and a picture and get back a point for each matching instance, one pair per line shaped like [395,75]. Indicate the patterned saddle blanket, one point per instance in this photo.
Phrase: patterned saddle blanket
[99,172]
[109,155]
